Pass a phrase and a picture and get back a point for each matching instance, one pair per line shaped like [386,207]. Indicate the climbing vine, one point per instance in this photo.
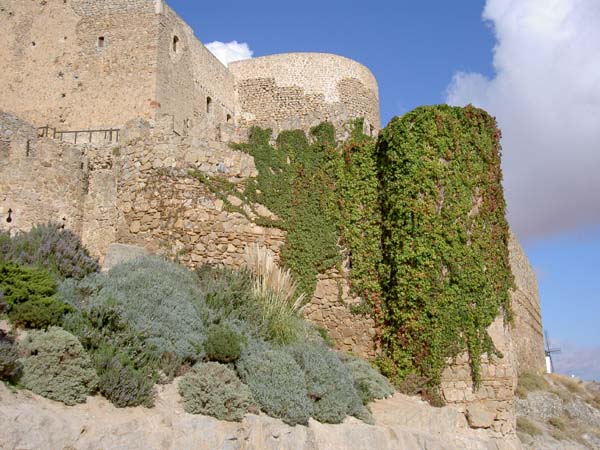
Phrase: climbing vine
[418,216]
[296,184]
[359,217]
[445,270]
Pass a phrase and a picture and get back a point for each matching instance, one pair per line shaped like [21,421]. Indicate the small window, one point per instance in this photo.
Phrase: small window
[9,219]
[228,118]
[208,105]
[175,43]
[371,130]
[101,42]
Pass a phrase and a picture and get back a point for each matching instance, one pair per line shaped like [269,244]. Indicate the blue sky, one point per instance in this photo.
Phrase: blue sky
[531,63]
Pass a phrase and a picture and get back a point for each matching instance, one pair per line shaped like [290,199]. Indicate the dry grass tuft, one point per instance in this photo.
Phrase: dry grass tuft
[573,385]
[525,425]
[275,291]
[530,382]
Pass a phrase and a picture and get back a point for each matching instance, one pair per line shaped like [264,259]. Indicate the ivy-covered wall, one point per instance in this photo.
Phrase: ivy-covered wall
[415,221]
[445,270]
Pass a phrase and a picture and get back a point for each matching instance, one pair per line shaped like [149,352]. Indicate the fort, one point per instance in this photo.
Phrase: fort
[78,65]
[107,106]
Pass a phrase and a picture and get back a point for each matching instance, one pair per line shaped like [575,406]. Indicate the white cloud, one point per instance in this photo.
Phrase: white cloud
[546,97]
[228,52]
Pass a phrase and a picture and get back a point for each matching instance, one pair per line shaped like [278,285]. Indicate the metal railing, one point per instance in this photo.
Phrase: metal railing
[80,136]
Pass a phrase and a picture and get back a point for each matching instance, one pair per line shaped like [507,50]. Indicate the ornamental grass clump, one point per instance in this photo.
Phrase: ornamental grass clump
[276,381]
[214,389]
[329,384]
[51,246]
[57,366]
[274,294]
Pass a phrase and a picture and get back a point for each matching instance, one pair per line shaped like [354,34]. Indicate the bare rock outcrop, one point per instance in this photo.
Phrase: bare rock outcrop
[31,422]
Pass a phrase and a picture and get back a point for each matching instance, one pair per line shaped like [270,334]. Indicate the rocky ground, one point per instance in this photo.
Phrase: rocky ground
[558,413]
[31,422]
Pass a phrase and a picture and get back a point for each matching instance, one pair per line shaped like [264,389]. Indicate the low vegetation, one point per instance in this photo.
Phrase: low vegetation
[527,426]
[531,382]
[51,246]
[236,336]
[57,366]
[215,390]
[557,408]
[30,296]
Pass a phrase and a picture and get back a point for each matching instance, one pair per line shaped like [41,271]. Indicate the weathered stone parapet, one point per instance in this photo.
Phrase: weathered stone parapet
[180,217]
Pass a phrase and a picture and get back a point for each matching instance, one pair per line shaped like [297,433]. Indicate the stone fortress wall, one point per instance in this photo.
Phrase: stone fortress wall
[299,90]
[192,84]
[89,64]
[78,64]
[152,78]
[140,192]
[527,332]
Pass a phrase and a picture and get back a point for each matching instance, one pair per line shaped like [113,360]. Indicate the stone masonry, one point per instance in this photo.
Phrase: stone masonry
[96,64]
[136,67]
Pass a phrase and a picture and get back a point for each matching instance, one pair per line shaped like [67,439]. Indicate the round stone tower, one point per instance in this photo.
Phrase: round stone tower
[300,90]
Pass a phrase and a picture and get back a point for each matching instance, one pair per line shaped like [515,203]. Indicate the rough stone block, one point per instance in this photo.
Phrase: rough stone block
[479,416]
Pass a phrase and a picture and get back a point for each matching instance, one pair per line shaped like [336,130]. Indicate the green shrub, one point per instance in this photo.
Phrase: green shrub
[29,293]
[57,367]
[53,247]
[10,366]
[121,382]
[101,327]
[215,390]
[231,297]
[276,381]
[368,382]
[328,382]
[228,292]
[127,365]
[160,299]
[3,304]
[223,344]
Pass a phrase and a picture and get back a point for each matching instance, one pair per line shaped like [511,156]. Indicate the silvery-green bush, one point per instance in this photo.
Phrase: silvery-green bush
[276,381]
[369,383]
[160,299]
[214,389]
[57,366]
[328,381]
